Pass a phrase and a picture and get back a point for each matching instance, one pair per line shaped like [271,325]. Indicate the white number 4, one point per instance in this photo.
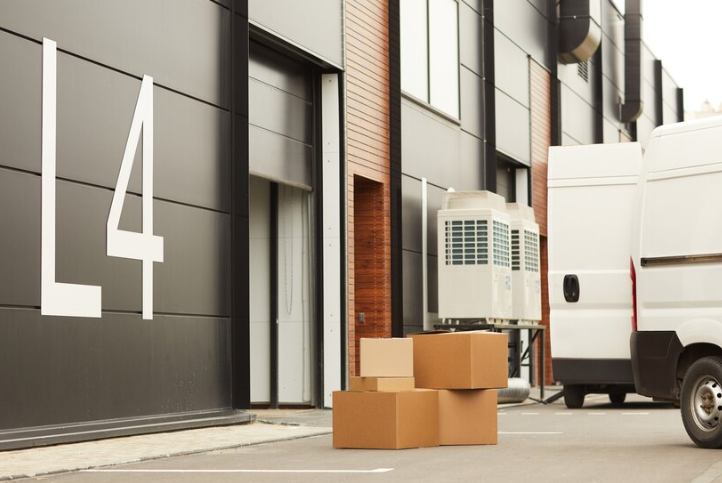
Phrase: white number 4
[83,300]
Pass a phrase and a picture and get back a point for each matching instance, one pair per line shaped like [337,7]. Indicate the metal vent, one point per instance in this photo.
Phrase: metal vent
[501,244]
[583,70]
[531,251]
[467,242]
[515,251]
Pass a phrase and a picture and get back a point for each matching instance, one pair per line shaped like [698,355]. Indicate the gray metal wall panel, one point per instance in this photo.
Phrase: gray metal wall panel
[613,63]
[611,96]
[470,51]
[611,132]
[277,111]
[411,208]
[526,26]
[511,73]
[472,163]
[278,158]
[280,118]
[412,219]
[649,99]
[542,6]
[182,46]
[413,292]
[95,108]
[472,113]
[272,68]
[20,98]
[68,370]
[430,146]
[669,114]
[513,128]
[474,4]
[612,24]
[192,280]
[669,95]
[20,239]
[315,26]
[577,117]
[570,78]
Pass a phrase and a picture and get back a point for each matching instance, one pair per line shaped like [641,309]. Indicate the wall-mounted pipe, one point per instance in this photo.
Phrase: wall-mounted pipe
[633,105]
[580,30]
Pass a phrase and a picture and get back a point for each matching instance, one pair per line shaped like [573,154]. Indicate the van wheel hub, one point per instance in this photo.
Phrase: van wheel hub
[708,403]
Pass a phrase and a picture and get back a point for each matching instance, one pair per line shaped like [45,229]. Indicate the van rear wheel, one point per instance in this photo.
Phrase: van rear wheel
[702,402]
[574,395]
[617,397]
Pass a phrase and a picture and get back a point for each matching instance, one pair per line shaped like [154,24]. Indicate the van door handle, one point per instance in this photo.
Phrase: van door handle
[571,288]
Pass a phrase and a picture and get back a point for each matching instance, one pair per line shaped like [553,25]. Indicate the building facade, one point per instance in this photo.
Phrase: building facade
[205,204]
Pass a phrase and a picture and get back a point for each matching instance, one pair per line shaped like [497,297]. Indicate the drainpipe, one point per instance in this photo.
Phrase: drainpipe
[632,107]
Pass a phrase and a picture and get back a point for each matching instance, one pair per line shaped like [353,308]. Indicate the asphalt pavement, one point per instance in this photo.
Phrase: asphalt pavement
[639,441]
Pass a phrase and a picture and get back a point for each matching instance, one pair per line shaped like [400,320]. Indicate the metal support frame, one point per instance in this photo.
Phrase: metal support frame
[535,330]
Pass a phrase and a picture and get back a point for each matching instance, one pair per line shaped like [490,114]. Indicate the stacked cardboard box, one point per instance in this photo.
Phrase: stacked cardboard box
[428,390]
[467,368]
[382,409]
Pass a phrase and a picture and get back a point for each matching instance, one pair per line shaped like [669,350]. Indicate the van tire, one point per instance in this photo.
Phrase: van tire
[702,402]
[617,397]
[574,395]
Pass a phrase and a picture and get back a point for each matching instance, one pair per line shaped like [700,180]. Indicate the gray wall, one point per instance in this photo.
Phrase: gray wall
[56,370]
[314,26]
[578,96]
[449,153]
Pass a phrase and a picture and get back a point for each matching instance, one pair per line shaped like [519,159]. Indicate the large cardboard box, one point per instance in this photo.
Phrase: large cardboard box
[386,420]
[461,360]
[387,357]
[384,384]
[467,416]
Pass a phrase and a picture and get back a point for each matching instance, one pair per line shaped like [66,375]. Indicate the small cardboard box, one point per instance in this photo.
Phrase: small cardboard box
[386,420]
[387,357]
[467,416]
[383,384]
[461,360]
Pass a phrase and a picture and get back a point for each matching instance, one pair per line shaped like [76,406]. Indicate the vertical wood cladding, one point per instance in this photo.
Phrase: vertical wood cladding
[541,131]
[368,171]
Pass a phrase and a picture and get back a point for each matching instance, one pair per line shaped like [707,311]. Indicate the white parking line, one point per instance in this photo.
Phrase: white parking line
[563,414]
[596,414]
[635,414]
[377,470]
[530,414]
[501,414]
[534,433]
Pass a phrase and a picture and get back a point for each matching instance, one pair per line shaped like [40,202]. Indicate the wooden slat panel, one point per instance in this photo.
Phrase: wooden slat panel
[368,161]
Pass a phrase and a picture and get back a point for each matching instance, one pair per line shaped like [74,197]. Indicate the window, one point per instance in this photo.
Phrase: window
[430,52]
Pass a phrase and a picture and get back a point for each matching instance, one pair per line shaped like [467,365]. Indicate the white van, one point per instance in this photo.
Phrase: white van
[591,191]
[677,275]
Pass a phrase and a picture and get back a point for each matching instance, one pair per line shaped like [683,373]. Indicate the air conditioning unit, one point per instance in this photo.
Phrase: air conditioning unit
[474,260]
[525,264]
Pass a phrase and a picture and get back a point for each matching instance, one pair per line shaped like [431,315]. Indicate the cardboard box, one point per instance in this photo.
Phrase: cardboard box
[467,416]
[461,360]
[383,384]
[386,420]
[387,357]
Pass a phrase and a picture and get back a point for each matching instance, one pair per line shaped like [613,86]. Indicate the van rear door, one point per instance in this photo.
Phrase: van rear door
[591,193]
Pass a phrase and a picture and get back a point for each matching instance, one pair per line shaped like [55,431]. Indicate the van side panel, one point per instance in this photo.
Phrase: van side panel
[589,234]
[679,263]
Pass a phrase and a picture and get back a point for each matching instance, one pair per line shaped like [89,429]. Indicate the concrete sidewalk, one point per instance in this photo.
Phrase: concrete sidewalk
[270,426]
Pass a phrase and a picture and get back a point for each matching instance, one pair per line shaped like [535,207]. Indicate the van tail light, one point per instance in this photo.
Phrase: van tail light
[633,275]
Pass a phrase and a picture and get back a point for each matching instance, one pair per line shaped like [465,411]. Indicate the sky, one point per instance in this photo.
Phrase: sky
[687,37]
